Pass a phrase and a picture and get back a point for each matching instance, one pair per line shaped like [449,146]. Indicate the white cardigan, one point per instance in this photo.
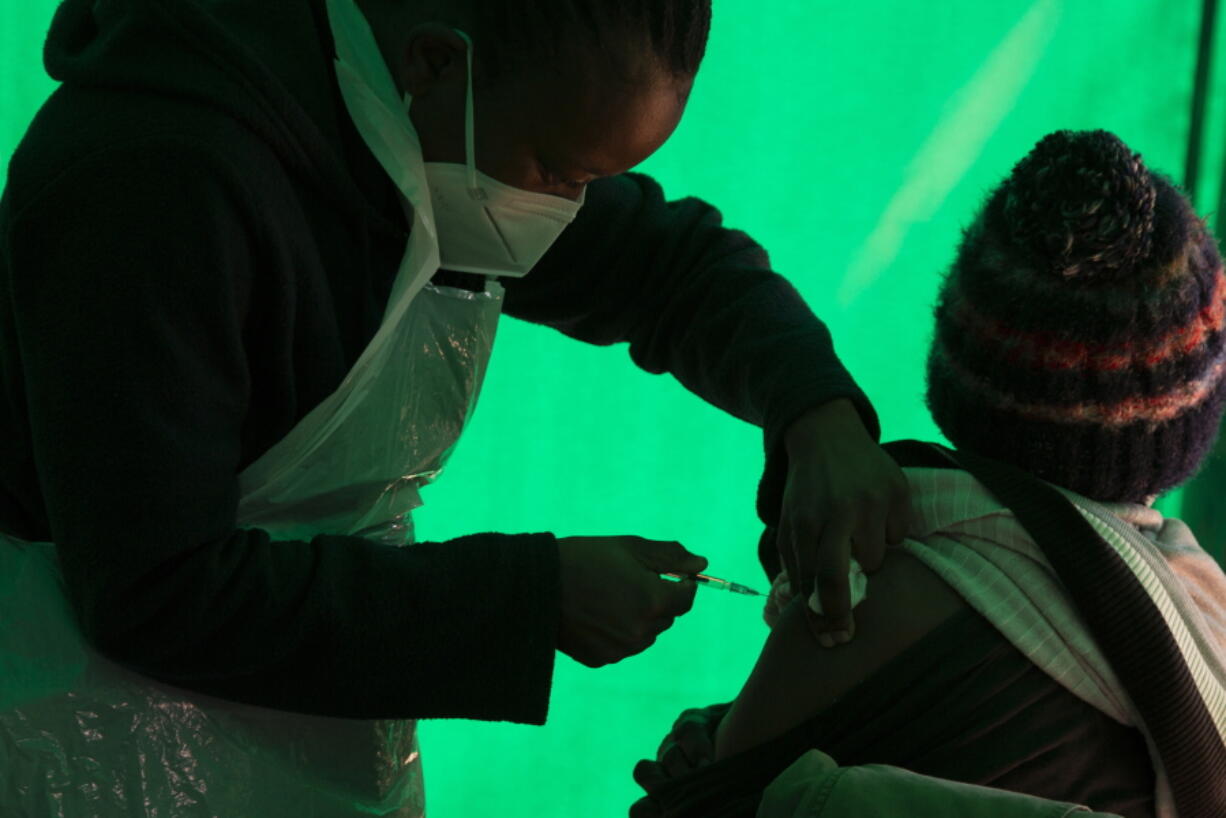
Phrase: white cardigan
[967,537]
[976,545]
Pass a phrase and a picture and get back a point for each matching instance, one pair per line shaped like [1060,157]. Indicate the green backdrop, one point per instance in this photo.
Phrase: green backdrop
[853,140]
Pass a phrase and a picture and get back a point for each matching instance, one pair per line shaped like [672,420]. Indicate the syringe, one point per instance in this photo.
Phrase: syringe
[715,583]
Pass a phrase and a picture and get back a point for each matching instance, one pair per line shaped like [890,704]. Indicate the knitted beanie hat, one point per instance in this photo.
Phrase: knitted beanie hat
[1080,331]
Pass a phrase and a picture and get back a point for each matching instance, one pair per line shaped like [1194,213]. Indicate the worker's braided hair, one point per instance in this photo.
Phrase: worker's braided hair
[512,33]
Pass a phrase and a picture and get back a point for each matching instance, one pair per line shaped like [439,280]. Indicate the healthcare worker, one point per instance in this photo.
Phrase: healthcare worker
[253,255]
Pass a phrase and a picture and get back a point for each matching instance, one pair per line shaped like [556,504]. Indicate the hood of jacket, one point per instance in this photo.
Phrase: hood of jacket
[268,64]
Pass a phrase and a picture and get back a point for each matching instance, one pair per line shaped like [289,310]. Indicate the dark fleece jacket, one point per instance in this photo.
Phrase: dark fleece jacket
[195,247]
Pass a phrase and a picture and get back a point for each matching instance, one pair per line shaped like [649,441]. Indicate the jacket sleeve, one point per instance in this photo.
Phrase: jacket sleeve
[694,299]
[816,787]
[128,283]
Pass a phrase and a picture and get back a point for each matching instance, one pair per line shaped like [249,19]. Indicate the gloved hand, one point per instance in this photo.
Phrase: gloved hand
[689,745]
[614,602]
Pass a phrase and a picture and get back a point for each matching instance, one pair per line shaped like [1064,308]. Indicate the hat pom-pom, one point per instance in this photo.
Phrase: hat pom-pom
[1082,204]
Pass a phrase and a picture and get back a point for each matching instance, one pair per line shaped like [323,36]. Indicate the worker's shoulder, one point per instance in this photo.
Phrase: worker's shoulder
[125,135]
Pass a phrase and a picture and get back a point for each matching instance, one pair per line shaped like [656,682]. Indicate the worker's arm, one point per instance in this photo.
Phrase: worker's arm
[692,298]
[131,285]
[700,301]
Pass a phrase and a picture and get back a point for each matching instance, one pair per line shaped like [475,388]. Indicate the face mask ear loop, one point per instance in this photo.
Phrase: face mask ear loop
[470,133]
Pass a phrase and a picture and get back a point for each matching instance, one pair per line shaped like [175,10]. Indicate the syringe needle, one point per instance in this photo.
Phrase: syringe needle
[714,582]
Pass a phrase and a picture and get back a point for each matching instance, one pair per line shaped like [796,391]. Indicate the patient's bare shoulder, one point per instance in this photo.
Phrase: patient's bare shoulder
[795,678]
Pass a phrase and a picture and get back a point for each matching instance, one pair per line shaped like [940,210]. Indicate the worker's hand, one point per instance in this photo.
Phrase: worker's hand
[844,496]
[614,602]
[687,747]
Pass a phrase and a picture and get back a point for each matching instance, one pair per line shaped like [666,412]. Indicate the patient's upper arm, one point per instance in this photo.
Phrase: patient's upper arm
[795,678]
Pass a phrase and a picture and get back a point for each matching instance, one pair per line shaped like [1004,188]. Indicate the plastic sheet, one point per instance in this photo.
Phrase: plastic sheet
[382,437]
[82,736]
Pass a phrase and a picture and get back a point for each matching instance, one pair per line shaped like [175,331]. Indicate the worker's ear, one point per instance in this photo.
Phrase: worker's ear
[435,56]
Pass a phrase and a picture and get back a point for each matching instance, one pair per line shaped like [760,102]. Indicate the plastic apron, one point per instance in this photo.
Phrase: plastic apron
[81,736]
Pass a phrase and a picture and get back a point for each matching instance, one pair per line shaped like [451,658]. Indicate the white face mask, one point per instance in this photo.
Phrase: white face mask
[487,227]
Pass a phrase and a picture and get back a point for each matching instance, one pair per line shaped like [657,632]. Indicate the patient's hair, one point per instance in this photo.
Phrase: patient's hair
[1079,333]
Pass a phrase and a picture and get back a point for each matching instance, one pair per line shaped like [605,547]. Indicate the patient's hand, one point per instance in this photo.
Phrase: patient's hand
[689,746]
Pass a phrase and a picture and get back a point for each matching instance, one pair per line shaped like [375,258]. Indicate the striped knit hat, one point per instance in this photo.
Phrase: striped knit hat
[1080,332]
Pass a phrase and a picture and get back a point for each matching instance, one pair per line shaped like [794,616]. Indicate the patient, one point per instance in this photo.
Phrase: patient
[1079,336]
